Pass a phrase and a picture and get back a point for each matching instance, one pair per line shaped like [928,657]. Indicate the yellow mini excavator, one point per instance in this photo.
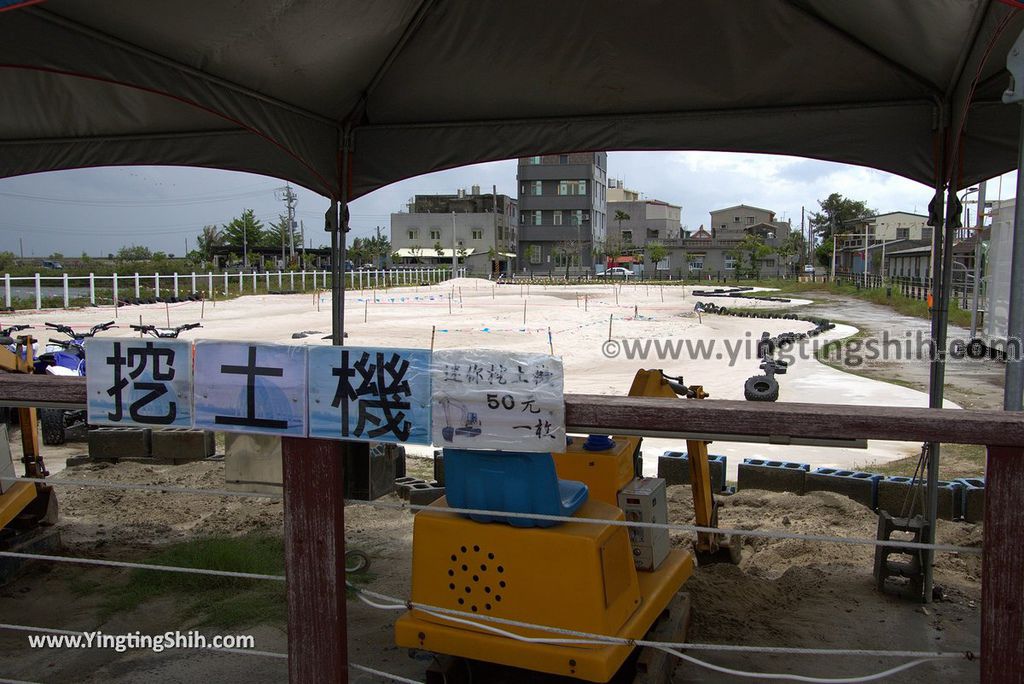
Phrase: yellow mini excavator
[23,505]
[593,577]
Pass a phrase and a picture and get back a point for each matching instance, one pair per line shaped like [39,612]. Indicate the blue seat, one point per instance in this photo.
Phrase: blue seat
[510,481]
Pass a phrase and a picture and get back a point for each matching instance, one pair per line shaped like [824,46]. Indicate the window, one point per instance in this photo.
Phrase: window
[562,259]
[435,234]
[730,262]
[535,255]
[696,262]
[522,218]
[902,233]
[627,236]
[750,220]
[768,263]
[576,217]
[724,226]
[735,219]
[558,218]
[524,189]
[478,234]
[414,233]
[538,188]
[563,159]
[536,218]
[533,160]
[581,187]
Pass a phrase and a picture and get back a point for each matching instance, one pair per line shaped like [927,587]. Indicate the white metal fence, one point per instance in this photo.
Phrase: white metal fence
[117,287]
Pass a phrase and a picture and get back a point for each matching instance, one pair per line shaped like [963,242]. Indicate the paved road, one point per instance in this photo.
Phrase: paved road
[971,384]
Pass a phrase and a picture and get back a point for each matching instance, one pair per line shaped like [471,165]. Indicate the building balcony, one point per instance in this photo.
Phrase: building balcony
[550,202]
[553,233]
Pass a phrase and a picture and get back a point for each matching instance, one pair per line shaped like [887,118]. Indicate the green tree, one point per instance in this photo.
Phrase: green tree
[621,216]
[792,246]
[823,253]
[755,249]
[656,252]
[133,253]
[209,238]
[7,261]
[835,210]
[244,231]
[439,249]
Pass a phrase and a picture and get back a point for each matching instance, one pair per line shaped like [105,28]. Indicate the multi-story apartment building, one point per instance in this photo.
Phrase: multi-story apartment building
[562,211]
[635,222]
[481,229]
[896,230]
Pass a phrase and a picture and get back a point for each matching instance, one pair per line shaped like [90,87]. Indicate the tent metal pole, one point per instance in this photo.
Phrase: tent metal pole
[935,382]
[1013,391]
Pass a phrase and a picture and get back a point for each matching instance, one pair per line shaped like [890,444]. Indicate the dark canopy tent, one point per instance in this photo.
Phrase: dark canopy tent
[268,86]
[344,97]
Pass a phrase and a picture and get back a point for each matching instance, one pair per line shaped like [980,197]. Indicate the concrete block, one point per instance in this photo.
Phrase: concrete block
[424,494]
[674,468]
[400,462]
[893,491]
[973,499]
[182,445]
[252,463]
[81,459]
[772,476]
[113,443]
[404,484]
[861,487]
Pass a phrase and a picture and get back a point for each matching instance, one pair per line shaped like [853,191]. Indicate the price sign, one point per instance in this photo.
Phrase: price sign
[250,387]
[370,394]
[139,382]
[497,400]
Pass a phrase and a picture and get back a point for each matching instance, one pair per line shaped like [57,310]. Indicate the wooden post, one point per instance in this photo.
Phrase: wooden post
[1002,568]
[314,533]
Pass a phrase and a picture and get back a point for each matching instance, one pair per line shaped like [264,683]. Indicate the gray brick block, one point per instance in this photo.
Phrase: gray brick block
[772,476]
[111,444]
[425,495]
[860,487]
[439,466]
[973,499]
[404,484]
[181,445]
[893,492]
[674,468]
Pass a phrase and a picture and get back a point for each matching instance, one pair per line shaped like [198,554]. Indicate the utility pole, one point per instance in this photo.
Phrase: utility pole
[302,236]
[494,211]
[21,247]
[290,199]
[455,256]
[245,248]
[977,259]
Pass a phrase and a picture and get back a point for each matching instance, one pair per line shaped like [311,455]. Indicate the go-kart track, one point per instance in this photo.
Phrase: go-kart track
[718,352]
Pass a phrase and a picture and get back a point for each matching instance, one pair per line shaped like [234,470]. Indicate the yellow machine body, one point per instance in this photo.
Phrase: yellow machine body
[604,472]
[14,500]
[577,576]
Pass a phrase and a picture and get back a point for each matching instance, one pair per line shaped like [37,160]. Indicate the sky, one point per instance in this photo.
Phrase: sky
[96,211]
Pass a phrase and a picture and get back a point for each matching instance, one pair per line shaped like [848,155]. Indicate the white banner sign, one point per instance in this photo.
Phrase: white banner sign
[486,399]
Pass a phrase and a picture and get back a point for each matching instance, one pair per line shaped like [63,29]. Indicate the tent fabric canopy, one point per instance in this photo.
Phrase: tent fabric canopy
[272,86]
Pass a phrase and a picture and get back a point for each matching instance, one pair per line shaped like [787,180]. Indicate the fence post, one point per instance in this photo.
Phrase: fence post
[225,283]
[193,283]
[66,301]
[314,533]
[241,285]
[291,280]
[174,282]
[209,284]
[267,279]
[279,276]
[92,289]
[254,281]
[39,293]
[113,284]
[136,285]
[314,278]
[7,290]
[1002,567]
[303,280]
[156,287]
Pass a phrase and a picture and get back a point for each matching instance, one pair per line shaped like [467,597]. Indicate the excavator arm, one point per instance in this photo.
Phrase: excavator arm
[711,547]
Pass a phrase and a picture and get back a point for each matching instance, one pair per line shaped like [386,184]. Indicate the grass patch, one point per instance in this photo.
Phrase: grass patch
[219,601]
[955,460]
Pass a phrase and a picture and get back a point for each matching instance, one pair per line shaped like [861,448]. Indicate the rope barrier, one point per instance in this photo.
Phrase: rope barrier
[677,527]
[585,638]
[139,566]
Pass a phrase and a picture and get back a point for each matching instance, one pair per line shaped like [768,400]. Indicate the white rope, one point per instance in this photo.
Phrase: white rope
[603,638]
[670,648]
[140,566]
[678,527]
[238,651]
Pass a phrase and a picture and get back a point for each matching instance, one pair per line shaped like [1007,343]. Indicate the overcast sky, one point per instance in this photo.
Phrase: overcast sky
[98,210]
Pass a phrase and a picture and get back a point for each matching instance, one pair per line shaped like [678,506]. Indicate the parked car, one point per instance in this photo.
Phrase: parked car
[53,264]
[809,268]
[617,271]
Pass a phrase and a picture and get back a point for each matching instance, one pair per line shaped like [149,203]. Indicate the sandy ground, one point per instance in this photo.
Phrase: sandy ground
[475,313]
[784,592]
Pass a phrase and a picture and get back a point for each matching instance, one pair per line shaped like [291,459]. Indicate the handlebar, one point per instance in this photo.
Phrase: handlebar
[69,331]
[165,333]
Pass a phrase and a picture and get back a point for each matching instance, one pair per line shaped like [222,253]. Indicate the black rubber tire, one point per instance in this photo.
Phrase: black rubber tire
[52,421]
[761,388]
[976,349]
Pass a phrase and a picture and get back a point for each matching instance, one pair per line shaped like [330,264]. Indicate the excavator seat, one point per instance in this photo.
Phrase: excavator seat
[510,481]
